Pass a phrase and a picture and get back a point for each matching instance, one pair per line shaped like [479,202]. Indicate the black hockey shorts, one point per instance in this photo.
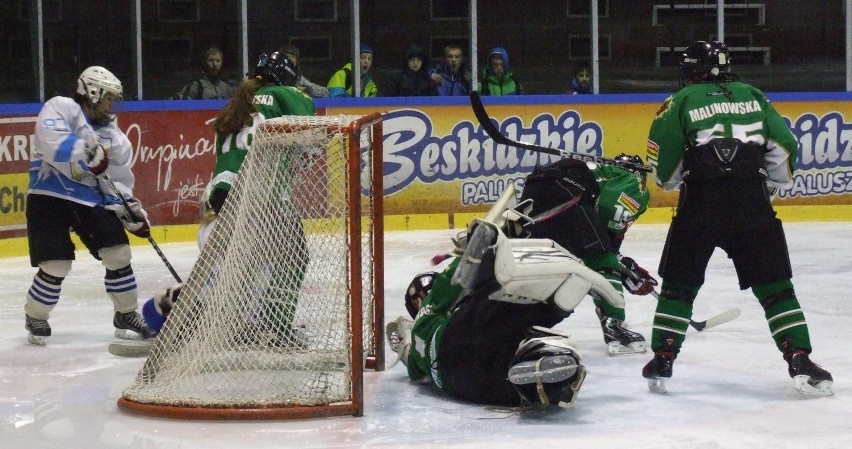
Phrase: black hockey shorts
[50,221]
[479,343]
[734,216]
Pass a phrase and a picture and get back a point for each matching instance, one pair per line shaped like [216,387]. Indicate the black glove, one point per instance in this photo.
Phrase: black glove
[636,279]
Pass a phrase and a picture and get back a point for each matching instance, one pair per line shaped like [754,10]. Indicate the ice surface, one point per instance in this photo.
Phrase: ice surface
[730,387]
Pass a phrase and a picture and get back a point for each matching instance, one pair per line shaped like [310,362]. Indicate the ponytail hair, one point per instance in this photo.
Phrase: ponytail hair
[238,112]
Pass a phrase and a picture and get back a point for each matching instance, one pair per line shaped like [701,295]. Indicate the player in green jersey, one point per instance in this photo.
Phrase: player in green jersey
[725,147]
[269,94]
[587,209]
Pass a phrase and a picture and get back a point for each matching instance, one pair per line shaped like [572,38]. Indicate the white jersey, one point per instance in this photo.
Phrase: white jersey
[58,166]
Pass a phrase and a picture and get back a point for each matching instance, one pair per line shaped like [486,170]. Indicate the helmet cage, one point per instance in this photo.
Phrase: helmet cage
[417,290]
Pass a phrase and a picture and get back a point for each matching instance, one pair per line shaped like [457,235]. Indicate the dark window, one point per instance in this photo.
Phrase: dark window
[316,11]
[163,49]
[313,48]
[580,46]
[583,8]
[178,11]
[450,9]
[51,10]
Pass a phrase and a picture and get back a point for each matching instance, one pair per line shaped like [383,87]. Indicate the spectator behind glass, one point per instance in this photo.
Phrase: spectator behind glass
[209,86]
[414,79]
[582,81]
[340,84]
[450,76]
[497,78]
[302,83]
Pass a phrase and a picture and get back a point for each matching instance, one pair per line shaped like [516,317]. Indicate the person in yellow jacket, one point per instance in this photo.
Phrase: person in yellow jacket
[340,84]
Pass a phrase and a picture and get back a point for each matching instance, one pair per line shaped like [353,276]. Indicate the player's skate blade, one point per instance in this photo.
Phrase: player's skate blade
[803,385]
[38,331]
[657,385]
[548,370]
[615,348]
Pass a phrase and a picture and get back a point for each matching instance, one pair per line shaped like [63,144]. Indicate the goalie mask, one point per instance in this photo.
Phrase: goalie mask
[102,91]
[417,290]
[276,68]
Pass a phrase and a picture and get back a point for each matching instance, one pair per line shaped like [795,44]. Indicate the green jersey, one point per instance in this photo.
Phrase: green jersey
[270,102]
[436,310]
[623,198]
[701,112]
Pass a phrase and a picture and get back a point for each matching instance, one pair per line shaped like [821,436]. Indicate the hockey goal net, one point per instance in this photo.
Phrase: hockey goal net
[283,309]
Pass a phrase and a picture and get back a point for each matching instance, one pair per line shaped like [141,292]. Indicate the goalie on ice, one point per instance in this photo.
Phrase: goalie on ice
[483,327]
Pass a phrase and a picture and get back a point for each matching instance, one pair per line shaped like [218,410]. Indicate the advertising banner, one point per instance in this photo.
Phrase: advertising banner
[437,160]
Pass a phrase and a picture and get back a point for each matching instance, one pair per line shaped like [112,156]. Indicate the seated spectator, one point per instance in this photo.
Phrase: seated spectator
[582,81]
[302,83]
[450,76]
[340,84]
[209,86]
[414,79]
[497,78]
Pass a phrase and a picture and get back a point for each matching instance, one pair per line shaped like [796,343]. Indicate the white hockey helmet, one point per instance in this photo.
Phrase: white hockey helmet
[96,81]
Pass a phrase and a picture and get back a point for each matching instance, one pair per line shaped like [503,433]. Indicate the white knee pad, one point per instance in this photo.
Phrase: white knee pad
[57,268]
[115,257]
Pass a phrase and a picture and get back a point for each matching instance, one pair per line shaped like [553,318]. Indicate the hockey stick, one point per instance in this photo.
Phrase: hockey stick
[133,215]
[494,134]
[713,321]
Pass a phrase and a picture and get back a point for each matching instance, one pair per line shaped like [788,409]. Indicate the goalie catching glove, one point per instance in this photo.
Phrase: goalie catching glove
[636,279]
[132,217]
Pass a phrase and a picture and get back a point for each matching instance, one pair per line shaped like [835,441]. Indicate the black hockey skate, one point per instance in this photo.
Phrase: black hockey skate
[619,339]
[39,331]
[658,370]
[131,321]
[808,377]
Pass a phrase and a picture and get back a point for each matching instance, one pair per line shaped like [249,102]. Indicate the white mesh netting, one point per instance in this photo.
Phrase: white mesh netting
[264,318]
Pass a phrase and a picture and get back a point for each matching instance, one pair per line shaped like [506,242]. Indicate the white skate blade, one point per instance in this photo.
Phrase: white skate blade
[552,369]
[131,348]
[36,340]
[657,385]
[615,348]
[803,385]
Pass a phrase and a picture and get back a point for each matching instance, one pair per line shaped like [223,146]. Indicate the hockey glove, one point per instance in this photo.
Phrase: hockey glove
[636,279]
[96,159]
[135,220]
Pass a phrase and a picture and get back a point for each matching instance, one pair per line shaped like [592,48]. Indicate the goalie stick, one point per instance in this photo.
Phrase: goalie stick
[495,135]
[150,239]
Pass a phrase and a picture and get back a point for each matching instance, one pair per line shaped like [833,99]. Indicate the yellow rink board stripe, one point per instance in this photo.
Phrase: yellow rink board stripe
[16,247]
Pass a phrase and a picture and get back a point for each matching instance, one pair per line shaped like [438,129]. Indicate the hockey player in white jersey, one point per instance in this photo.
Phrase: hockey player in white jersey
[76,140]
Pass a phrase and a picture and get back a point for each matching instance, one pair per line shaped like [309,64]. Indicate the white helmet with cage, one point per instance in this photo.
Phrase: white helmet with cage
[96,81]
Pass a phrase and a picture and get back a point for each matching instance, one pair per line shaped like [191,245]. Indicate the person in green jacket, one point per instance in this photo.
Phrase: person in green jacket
[725,147]
[340,84]
[498,78]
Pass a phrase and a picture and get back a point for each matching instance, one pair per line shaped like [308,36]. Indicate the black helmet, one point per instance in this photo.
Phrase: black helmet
[632,159]
[417,290]
[276,68]
[705,61]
